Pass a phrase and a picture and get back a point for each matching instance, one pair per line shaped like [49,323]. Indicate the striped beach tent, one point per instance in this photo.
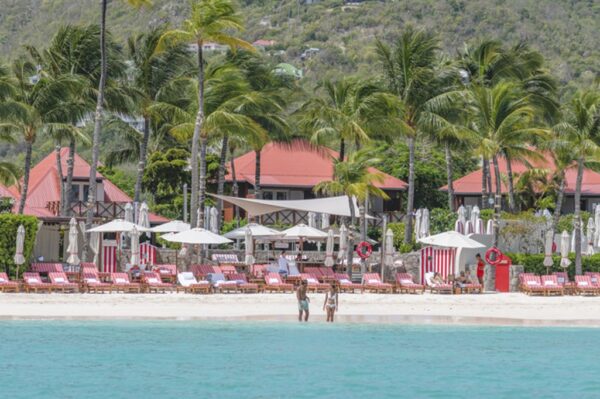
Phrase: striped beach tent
[109,256]
[440,260]
[147,254]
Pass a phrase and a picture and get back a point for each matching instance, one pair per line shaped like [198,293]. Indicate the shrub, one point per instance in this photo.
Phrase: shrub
[566,222]
[441,219]
[9,223]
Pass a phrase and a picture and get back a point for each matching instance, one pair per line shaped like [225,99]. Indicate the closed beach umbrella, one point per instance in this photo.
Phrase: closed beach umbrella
[329,249]
[590,236]
[95,245]
[144,218]
[312,219]
[490,227]
[564,249]
[72,250]
[19,258]
[462,214]
[135,247]
[597,225]
[548,248]
[418,220]
[424,223]
[475,215]
[249,260]
[324,221]
[128,213]
[343,242]
[459,227]
[214,220]
[389,247]
[469,228]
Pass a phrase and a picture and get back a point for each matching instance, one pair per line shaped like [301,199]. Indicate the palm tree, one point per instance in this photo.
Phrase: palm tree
[409,69]
[209,21]
[98,114]
[581,126]
[353,178]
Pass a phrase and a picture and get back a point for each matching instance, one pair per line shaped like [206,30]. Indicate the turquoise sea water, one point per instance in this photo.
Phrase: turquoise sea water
[160,359]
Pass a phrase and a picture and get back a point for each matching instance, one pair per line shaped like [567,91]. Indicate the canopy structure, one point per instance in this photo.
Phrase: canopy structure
[257,230]
[197,236]
[339,206]
[117,226]
[451,239]
[174,226]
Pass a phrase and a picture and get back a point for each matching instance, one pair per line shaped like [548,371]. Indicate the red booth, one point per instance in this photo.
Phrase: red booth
[503,273]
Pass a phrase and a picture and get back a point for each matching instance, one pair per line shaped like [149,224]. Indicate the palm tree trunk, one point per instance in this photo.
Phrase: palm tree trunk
[408,229]
[69,182]
[511,187]
[196,140]
[25,186]
[449,174]
[221,176]
[497,202]
[234,189]
[350,250]
[488,176]
[202,182]
[92,192]
[342,149]
[257,189]
[142,161]
[577,222]
[60,175]
[559,200]
[484,190]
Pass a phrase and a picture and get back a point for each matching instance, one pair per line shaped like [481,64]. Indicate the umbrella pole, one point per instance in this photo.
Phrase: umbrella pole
[383,249]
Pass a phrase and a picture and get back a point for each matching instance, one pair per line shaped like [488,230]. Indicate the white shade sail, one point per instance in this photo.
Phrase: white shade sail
[332,205]
[174,226]
[197,236]
[451,239]
[303,231]
[117,226]
[257,230]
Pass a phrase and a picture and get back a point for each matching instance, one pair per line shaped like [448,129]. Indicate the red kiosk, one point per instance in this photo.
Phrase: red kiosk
[496,258]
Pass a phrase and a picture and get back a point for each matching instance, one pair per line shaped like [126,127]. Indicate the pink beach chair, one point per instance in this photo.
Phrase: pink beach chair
[585,286]
[372,282]
[153,282]
[345,284]
[313,283]
[445,288]
[6,285]
[405,283]
[242,282]
[273,282]
[121,282]
[532,284]
[33,282]
[90,282]
[550,283]
[60,282]
[167,272]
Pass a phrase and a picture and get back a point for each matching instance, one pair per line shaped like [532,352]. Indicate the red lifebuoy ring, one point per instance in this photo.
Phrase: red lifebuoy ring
[364,249]
[496,258]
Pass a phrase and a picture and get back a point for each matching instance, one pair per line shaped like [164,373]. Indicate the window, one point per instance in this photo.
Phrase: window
[281,195]
[275,195]
[86,190]
[75,193]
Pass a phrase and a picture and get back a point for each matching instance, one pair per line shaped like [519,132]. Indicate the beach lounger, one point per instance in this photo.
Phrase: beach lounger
[550,283]
[273,282]
[228,269]
[121,283]
[46,267]
[60,282]
[405,283]
[6,285]
[532,284]
[585,287]
[445,288]
[221,284]
[167,272]
[242,283]
[345,284]
[90,282]
[201,271]
[372,282]
[188,283]
[569,287]
[152,282]
[313,284]
[33,282]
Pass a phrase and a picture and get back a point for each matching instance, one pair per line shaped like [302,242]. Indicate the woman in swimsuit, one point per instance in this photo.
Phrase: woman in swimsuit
[331,303]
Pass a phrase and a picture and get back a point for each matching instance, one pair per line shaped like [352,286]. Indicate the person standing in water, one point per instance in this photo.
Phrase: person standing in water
[303,301]
[331,303]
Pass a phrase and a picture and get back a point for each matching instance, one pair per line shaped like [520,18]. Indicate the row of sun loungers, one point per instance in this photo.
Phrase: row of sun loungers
[559,284]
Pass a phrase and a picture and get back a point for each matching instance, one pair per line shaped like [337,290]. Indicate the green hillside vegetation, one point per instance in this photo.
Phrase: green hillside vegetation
[564,32]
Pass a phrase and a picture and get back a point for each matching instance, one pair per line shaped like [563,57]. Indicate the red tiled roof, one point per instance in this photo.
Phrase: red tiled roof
[296,165]
[471,183]
[5,192]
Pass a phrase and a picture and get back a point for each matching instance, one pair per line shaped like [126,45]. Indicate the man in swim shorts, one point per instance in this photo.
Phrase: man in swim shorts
[303,301]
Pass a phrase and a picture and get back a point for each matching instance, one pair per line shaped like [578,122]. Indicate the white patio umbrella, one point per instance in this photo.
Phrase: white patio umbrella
[425,222]
[116,226]
[198,236]
[329,249]
[343,243]
[249,260]
[564,249]
[257,230]
[548,262]
[418,219]
[144,218]
[128,212]
[19,258]
[304,232]
[214,220]
[451,239]
[489,230]
[312,219]
[135,247]
[324,221]
[590,237]
[174,226]
[389,247]
[72,249]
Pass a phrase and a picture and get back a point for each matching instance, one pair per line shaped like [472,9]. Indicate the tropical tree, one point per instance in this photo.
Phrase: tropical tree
[409,70]
[209,21]
[581,126]
[354,178]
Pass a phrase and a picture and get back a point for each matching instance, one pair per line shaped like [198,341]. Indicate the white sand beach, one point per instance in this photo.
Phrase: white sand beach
[485,309]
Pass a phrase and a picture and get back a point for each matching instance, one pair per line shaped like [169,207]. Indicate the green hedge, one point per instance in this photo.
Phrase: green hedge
[533,263]
[9,223]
